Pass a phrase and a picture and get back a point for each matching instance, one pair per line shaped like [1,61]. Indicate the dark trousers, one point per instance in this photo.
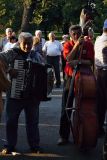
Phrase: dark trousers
[54,61]
[13,110]
[64,130]
[101,96]
[63,65]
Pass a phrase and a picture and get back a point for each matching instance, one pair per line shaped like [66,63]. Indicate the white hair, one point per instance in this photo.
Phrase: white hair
[8,29]
[38,32]
[65,36]
[24,35]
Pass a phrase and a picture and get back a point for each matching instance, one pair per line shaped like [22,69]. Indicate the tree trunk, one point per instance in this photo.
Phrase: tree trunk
[27,15]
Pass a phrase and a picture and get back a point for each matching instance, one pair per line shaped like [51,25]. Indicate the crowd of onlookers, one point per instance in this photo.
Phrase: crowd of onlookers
[48,51]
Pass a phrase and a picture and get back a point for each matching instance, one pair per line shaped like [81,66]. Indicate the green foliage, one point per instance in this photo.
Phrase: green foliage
[105,2]
[11,13]
[100,16]
[49,14]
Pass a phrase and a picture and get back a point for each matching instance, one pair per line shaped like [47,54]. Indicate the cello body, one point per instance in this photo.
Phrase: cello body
[84,121]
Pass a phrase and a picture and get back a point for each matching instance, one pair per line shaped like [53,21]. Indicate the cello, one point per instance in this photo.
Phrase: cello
[84,122]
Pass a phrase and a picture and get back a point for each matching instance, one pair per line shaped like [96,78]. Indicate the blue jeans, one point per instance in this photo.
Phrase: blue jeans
[13,110]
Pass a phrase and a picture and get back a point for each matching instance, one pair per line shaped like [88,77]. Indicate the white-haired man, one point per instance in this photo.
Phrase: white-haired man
[38,33]
[4,40]
[15,105]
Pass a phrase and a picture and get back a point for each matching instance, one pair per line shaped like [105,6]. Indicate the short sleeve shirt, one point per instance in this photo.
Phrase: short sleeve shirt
[87,53]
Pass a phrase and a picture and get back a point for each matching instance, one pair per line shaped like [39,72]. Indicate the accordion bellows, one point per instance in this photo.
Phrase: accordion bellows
[33,80]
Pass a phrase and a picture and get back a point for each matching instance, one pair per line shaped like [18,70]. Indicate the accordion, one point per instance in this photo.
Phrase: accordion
[33,80]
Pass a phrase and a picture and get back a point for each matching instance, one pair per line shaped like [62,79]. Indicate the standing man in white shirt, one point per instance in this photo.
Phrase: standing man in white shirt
[53,49]
[11,43]
[101,68]
[4,40]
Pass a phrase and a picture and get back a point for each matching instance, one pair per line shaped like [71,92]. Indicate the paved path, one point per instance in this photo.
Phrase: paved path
[49,127]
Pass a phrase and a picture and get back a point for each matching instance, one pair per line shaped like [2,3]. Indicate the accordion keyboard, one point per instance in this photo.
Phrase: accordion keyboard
[18,83]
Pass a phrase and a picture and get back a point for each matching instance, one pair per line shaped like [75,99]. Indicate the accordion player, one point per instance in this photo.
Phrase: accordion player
[36,80]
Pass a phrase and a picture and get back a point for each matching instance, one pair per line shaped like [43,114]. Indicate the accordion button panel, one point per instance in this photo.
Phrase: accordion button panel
[18,83]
